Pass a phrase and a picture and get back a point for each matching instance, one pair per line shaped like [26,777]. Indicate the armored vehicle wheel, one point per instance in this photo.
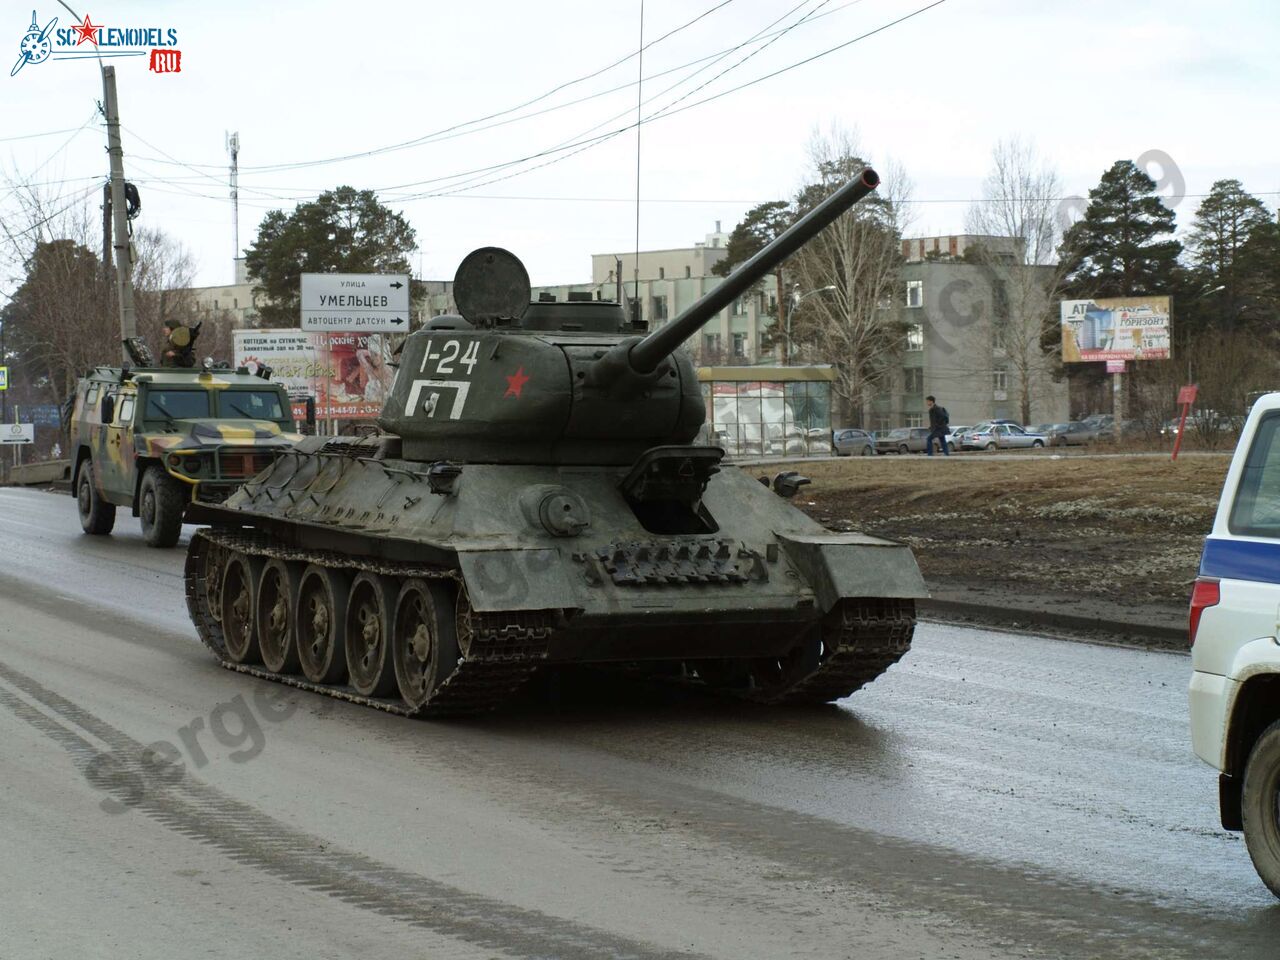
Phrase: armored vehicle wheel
[318,624]
[370,607]
[160,504]
[424,639]
[240,576]
[96,515]
[276,601]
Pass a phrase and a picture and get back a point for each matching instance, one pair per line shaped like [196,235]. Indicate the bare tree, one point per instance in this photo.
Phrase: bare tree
[1019,201]
[856,325]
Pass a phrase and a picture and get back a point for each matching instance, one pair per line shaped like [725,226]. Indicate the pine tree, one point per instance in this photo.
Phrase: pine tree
[1224,224]
[1117,249]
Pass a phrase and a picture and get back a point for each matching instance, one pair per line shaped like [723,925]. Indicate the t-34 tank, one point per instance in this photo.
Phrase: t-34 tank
[535,498]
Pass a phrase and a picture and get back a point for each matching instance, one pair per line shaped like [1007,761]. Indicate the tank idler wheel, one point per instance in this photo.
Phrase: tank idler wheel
[318,624]
[424,639]
[772,676]
[96,515]
[370,608]
[239,587]
[214,559]
[276,600]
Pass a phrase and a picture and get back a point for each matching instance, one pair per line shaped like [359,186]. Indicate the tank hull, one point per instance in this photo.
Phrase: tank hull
[745,593]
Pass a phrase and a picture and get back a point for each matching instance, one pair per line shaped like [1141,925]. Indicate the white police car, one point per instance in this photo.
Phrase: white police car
[1235,637]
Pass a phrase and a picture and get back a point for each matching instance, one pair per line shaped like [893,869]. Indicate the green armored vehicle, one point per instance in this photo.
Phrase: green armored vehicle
[157,439]
[536,498]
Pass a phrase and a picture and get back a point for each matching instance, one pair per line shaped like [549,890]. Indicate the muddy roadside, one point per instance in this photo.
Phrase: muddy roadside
[1101,548]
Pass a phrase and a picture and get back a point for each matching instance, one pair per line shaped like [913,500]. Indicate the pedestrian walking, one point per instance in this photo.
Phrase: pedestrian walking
[938,424]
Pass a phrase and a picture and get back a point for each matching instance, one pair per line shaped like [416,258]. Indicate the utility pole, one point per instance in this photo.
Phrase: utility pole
[119,213]
[233,148]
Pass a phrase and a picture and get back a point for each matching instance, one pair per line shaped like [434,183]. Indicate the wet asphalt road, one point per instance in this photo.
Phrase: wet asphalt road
[993,795]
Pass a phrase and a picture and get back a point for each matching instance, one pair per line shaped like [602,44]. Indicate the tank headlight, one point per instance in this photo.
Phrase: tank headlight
[175,460]
[193,464]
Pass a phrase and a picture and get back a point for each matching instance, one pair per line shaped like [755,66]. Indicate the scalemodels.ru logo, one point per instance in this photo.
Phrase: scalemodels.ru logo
[39,44]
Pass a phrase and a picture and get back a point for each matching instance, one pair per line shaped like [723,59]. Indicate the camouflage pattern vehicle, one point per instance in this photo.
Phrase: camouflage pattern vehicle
[536,498]
[156,440]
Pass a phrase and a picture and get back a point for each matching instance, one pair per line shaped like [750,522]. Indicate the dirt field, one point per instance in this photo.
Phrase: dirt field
[1116,529]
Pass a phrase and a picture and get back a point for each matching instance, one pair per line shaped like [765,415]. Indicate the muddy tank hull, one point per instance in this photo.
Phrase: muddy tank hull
[425,579]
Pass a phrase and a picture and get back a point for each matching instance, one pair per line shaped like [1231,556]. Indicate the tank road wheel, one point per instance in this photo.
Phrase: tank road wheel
[160,504]
[96,515]
[318,623]
[370,607]
[424,639]
[239,586]
[277,597]
[215,558]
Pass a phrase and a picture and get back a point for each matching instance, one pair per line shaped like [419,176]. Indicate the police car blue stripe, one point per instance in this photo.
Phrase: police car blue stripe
[1241,560]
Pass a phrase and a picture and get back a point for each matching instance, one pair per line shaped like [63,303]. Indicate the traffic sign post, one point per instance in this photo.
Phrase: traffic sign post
[16,433]
[1186,397]
[4,378]
[355,302]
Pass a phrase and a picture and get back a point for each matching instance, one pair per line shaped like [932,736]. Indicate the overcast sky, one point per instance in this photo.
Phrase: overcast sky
[1089,81]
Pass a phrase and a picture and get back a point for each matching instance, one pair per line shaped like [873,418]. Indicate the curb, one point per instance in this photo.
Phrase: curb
[1156,635]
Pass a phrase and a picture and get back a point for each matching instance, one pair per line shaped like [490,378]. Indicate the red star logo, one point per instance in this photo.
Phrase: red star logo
[516,382]
[87,30]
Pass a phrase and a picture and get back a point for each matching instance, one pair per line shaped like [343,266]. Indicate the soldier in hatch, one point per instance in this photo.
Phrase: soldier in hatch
[179,345]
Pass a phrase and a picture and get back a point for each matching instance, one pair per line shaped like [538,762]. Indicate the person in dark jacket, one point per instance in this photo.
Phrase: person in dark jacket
[939,422]
[179,344]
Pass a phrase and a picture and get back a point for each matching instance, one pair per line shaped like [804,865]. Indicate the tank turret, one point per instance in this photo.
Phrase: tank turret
[517,382]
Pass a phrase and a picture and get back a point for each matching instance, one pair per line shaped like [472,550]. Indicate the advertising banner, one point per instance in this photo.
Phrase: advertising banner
[349,374]
[1117,328]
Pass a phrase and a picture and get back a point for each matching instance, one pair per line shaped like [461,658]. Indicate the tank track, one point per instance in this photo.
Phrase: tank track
[864,638]
[500,652]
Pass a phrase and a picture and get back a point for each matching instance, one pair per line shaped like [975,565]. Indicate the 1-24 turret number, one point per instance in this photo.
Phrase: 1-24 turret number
[451,353]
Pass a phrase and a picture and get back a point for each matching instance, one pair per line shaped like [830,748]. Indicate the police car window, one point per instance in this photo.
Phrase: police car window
[1256,511]
[177,404]
[124,412]
[253,404]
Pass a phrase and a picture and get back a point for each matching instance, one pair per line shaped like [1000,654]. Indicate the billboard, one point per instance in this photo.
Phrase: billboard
[1116,328]
[349,374]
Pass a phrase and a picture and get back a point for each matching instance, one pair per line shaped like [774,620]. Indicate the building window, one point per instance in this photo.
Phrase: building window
[662,273]
[762,347]
[1000,338]
[915,337]
[657,309]
[1000,379]
[1000,296]
[884,423]
[235,303]
[711,344]
[915,420]
[688,272]
[913,380]
[740,346]
[772,304]
[739,307]
[915,293]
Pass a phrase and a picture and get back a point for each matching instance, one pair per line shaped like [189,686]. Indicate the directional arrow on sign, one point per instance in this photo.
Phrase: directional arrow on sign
[397,285]
[397,320]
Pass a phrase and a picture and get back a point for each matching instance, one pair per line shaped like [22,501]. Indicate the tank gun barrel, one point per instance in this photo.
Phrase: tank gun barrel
[645,355]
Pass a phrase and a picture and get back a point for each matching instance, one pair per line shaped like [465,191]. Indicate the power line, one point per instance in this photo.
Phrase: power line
[34,136]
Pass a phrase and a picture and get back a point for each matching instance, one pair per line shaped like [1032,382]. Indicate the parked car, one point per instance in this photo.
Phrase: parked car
[1235,713]
[903,440]
[851,442]
[965,439]
[1074,433]
[1006,436]
[953,436]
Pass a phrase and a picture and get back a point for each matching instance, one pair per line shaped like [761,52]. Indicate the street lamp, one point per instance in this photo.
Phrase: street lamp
[795,299]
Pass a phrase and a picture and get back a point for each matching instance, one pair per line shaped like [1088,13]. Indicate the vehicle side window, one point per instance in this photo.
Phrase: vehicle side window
[124,412]
[1014,430]
[91,398]
[1256,510]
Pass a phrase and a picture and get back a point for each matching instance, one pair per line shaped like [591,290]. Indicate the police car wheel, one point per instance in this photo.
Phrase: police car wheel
[96,515]
[160,505]
[1260,806]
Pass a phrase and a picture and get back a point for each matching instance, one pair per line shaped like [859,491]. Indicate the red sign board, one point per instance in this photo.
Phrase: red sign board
[1187,394]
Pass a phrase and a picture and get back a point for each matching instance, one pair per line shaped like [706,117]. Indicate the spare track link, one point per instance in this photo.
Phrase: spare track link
[867,637]
[475,686]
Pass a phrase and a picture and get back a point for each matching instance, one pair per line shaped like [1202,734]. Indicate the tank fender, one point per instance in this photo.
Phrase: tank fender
[846,565]
[521,579]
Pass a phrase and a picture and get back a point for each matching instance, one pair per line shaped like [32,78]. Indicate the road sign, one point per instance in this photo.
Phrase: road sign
[363,302]
[4,378]
[1187,394]
[17,433]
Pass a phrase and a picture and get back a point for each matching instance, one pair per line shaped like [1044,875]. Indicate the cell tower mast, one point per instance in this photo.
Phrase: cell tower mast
[233,149]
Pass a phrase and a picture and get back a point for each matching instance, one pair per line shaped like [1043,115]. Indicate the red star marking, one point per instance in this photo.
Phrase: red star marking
[516,382]
[87,30]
